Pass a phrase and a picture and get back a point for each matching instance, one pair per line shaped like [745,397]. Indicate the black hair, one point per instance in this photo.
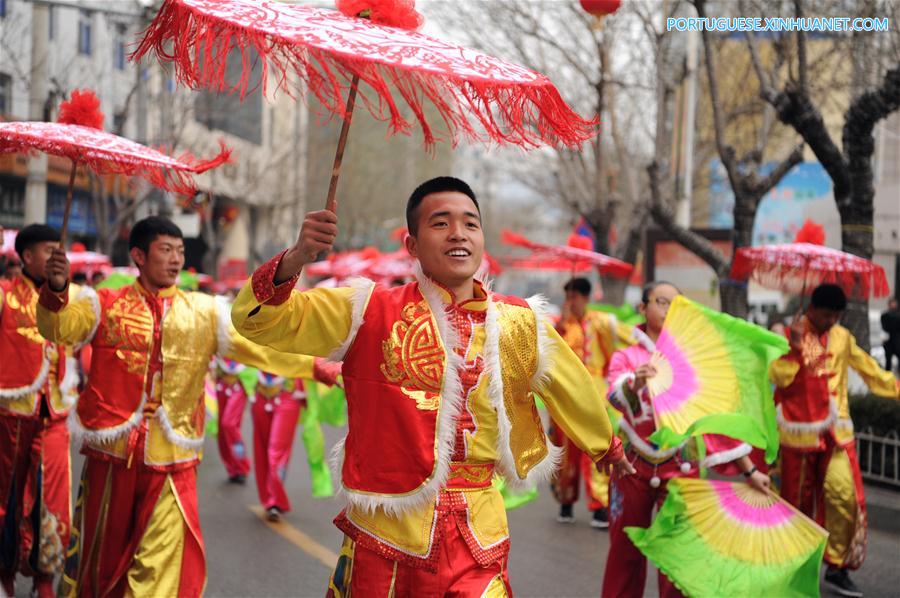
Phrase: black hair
[829,296]
[147,230]
[652,286]
[79,278]
[32,235]
[582,286]
[435,185]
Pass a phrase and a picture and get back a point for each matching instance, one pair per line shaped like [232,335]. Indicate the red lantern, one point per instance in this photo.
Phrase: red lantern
[600,8]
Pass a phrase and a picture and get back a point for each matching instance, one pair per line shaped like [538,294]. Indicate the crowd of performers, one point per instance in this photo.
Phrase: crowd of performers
[440,377]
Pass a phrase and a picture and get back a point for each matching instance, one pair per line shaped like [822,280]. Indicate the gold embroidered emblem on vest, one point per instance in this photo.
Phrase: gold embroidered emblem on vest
[130,329]
[414,356]
[23,302]
[814,356]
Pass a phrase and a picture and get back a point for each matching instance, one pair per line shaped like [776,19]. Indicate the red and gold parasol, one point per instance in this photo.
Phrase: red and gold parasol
[477,97]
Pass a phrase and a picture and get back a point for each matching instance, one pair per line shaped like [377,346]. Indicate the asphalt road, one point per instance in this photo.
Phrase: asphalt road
[248,557]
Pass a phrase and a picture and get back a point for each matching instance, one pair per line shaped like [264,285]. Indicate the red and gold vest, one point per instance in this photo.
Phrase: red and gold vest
[404,395]
[113,400]
[32,366]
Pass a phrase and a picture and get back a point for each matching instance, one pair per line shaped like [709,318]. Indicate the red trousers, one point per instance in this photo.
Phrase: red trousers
[363,572]
[232,399]
[274,429]
[631,503]
[827,486]
[35,491]
[138,533]
[574,467]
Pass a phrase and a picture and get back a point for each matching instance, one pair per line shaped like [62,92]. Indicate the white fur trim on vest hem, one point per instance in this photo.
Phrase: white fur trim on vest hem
[643,448]
[191,444]
[547,468]
[721,457]
[106,435]
[68,388]
[546,348]
[822,425]
[9,394]
[90,294]
[362,290]
[223,326]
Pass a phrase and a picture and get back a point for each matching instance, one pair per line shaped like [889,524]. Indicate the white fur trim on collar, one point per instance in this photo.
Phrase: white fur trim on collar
[191,444]
[645,341]
[448,413]
[546,348]
[362,291]
[548,466]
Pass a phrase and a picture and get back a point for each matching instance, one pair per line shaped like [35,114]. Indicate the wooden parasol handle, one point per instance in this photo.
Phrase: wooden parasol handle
[65,222]
[342,142]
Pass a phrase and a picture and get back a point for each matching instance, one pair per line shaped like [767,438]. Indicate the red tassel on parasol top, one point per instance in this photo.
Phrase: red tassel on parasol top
[477,97]
[78,136]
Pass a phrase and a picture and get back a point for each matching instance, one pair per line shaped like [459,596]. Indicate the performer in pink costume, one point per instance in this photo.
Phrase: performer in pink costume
[276,410]
[232,398]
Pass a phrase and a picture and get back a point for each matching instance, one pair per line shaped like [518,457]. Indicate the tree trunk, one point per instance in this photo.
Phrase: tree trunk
[733,297]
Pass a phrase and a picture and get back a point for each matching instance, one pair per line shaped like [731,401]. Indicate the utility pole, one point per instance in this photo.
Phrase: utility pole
[683,213]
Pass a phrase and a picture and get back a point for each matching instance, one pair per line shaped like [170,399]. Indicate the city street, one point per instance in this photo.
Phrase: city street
[249,557]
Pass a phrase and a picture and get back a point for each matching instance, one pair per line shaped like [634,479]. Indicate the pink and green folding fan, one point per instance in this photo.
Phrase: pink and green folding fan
[712,378]
[714,538]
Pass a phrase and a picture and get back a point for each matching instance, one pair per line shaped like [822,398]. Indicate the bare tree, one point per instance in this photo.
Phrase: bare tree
[875,95]
[747,181]
[577,51]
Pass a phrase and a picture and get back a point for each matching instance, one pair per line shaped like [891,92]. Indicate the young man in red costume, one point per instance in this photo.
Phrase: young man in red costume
[594,336]
[141,416]
[231,397]
[276,410]
[633,498]
[38,386]
[819,468]
[439,376]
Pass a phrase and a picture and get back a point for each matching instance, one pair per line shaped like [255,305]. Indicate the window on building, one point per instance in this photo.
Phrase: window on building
[85,27]
[51,22]
[2,8]
[225,111]
[5,94]
[119,48]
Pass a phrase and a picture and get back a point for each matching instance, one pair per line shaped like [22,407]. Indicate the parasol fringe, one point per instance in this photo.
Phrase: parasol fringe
[175,180]
[522,115]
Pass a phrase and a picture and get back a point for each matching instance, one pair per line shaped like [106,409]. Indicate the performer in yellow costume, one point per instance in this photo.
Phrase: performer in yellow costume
[141,417]
[38,386]
[819,468]
[593,336]
[439,377]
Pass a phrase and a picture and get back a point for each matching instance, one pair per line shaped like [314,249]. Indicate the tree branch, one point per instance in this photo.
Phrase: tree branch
[769,182]
[664,216]
[802,66]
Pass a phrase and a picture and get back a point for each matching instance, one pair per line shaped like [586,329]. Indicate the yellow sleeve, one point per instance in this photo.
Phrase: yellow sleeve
[75,322]
[624,335]
[572,398]
[878,380]
[232,345]
[783,370]
[315,322]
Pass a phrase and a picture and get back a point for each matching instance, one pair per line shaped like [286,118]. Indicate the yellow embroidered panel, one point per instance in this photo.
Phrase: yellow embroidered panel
[414,356]
[23,303]
[129,327]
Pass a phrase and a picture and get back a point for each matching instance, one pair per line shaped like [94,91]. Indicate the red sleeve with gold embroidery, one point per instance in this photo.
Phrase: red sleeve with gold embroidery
[51,300]
[264,288]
